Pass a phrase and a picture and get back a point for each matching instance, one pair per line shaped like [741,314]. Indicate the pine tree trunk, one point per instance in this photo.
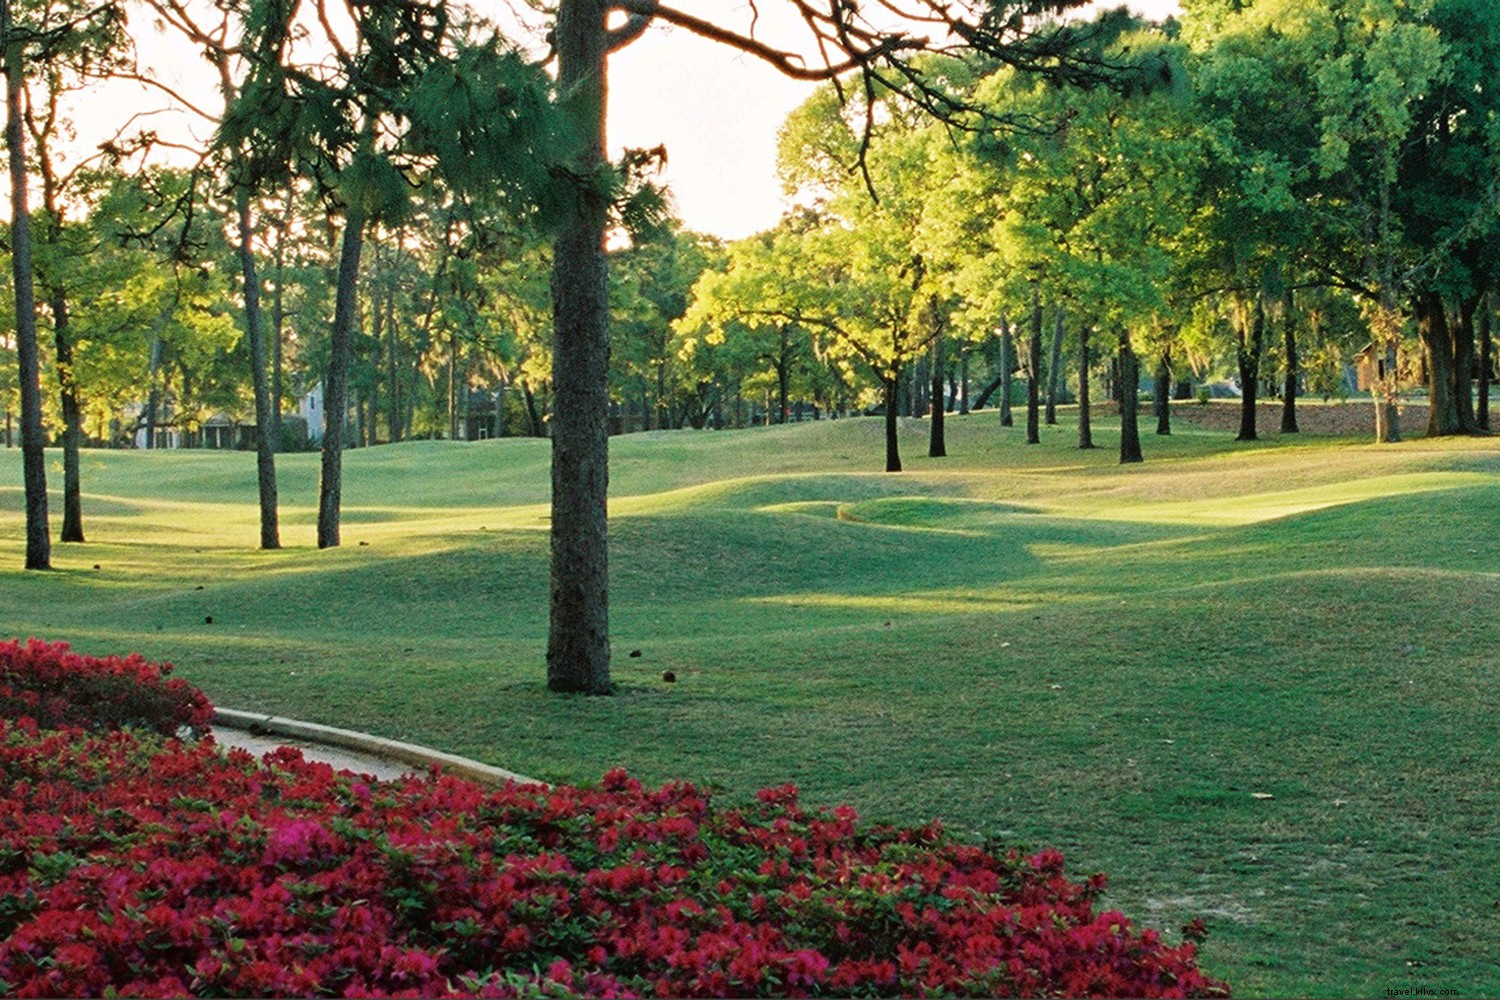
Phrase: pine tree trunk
[33,437]
[578,637]
[1293,366]
[1130,376]
[1054,370]
[937,446]
[336,394]
[892,382]
[1252,337]
[1085,427]
[265,415]
[1160,397]
[1034,373]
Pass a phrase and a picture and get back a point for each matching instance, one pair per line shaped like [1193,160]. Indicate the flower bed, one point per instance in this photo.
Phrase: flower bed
[57,687]
[154,867]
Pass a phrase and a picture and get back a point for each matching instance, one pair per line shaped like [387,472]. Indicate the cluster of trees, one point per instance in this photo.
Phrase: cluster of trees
[402,205]
[1284,186]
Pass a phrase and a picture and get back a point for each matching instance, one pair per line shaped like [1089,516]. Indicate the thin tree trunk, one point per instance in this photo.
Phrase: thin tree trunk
[1486,363]
[963,381]
[1162,387]
[1054,370]
[1006,354]
[62,338]
[377,348]
[1130,375]
[1464,365]
[783,379]
[1252,337]
[33,440]
[1034,372]
[937,446]
[1085,426]
[578,635]
[393,382]
[1293,365]
[265,417]
[153,394]
[453,385]
[892,444]
[533,417]
[1437,345]
[278,334]
[336,395]
[67,380]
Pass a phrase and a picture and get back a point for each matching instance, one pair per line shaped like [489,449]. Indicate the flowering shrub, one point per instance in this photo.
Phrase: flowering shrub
[153,867]
[58,687]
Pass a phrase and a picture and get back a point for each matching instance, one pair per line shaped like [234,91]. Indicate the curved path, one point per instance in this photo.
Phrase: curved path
[346,749]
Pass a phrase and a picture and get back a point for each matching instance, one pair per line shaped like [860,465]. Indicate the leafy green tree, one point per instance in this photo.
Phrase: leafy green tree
[760,316]
[849,40]
[14,41]
[652,281]
[74,44]
[414,98]
[1088,210]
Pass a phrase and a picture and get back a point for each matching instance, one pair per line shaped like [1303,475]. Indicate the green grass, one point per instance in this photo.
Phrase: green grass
[1029,642]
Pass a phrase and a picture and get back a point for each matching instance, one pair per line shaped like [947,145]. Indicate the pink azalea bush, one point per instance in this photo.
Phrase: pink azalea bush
[57,687]
[146,866]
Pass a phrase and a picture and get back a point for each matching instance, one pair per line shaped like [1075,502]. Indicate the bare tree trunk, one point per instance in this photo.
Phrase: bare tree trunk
[1034,372]
[1252,337]
[1006,354]
[1054,370]
[265,417]
[453,385]
[1486,363]
[1464,365]
[937,446]
[62,338]
[963,381]
[278,332]
[891,381]
[336,395]
[393,393]
[1293,365]
[578,637]
[153,393]
[1437,346]
[1130,377]
[67,380]
[1161,396]
[1085,426]
[33,439]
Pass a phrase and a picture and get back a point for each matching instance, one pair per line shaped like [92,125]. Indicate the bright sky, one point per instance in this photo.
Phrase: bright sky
[717,112]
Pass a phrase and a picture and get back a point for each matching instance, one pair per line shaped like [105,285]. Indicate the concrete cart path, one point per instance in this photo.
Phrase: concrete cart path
[347,749]
[339,758]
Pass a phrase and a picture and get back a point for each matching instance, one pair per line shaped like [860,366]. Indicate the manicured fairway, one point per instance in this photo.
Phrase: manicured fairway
[1257,683]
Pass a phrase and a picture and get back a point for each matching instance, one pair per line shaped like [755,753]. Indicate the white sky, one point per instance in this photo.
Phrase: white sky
[716,111]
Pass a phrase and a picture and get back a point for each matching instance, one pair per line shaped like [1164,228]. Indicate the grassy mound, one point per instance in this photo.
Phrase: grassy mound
[1125,670]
